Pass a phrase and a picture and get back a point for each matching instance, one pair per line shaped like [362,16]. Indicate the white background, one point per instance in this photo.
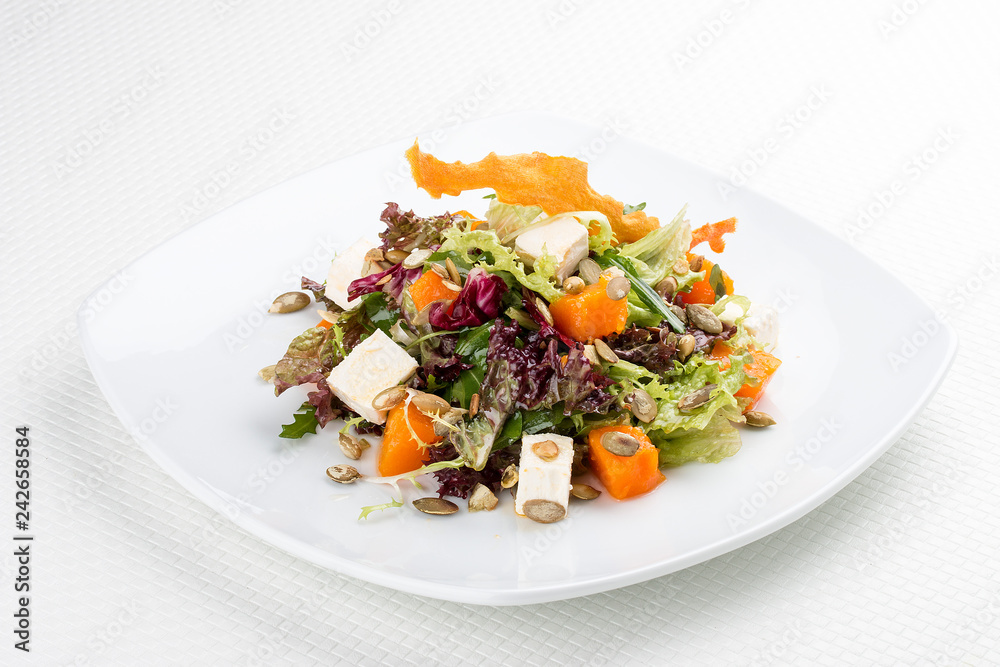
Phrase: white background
[118,119]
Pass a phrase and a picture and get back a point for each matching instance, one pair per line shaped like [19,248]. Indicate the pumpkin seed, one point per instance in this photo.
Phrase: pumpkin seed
[474,405]
[696,262]
[454,287]
[605,352]
[544,310]
[351,446]
[289,302]
[546,450]
[574,285]
[434,505]
[482,498]
[704,319]
[612,272]
[430,404]
[440,270]
[619,444]
[343,473]
[383,280]
[679,312]
[453,273]
[522,318]
[643,406]
[267,373]
[696,398]
[681,266]
[685,346]
[583,491]
[445,424]
[666,287]
[759,419]
[618,288]
[590,352]
[544,511]
[389,398]
[396,256]
[509,476]
[589,270]
[668,337]
[423,316]
[328,316]
[416,258]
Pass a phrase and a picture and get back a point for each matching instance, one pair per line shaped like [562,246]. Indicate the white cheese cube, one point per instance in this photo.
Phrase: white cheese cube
[563,237]
[376,364]
[544,480]
[762,324]
[730,314]
[345,269]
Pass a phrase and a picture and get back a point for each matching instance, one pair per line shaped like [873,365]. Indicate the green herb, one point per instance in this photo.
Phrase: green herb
[643,291]
[348,423]
[303,422]
[632,209]
[489,196]
[379,313]
[716,281]
[365,511]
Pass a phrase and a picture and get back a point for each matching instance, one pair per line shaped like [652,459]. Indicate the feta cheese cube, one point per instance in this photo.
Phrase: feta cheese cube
[563,237]
[345,269]
[730,314]
[376,364]
[539,479]
[762,323]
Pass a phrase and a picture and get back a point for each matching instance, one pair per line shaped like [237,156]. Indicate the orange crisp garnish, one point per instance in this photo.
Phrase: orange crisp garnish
[712,232]
[557,184]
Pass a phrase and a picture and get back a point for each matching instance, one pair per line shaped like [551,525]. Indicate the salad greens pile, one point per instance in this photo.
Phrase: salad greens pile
[678,365]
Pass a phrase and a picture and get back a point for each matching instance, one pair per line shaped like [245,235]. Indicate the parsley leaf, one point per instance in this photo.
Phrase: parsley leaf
[632,209]
[303,422]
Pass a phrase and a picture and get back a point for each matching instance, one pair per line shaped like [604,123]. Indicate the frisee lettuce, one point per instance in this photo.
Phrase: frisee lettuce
[498,257]
[368,509]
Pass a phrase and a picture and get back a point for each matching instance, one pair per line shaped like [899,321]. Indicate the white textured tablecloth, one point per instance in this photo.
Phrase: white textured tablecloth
[124,123]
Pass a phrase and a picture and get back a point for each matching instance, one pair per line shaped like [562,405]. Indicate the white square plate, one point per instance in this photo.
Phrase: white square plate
[177,350]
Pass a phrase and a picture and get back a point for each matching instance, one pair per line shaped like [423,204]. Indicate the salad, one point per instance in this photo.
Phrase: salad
[556,337]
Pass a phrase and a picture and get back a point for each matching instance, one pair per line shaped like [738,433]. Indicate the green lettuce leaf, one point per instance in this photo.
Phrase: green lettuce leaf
[718,440]
[498,257]
[691,376]
[654,255]
[507,218]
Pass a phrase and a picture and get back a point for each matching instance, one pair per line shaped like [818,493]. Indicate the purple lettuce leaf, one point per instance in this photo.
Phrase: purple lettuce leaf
[399,280]
[439,359]
[477,303]
[311,352]
[328,406]
[407,231]
[459,482]
[531,377]
[319,293]
[546,330]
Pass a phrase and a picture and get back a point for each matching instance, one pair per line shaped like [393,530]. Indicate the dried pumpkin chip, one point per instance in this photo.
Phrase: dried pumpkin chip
[712,232]
[557,184]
